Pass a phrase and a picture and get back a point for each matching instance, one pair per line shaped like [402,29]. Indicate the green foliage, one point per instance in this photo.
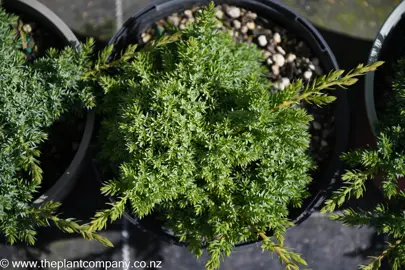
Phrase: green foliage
[32,97]
[386,161]
[193,134]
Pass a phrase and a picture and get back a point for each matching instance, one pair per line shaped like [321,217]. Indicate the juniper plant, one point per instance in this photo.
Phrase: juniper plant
[33,96]
[385,161]
[193,134]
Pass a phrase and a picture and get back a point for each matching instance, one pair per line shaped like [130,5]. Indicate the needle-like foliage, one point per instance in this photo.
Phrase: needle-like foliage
[32,97]
[194,135]
[385,161]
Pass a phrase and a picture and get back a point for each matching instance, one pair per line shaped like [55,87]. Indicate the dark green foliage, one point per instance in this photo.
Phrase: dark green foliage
[32,97]
[194,134]
[386,161]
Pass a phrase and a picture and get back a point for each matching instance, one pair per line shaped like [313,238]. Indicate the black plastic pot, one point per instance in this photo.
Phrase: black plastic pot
[274,11]
[56,26]
[383,45]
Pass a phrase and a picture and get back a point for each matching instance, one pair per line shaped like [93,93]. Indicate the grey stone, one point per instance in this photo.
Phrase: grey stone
[279,59]
[233,12]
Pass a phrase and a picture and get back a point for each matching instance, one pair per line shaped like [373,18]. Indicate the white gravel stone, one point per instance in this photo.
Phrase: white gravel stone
[291,57]
[312,67]
[237,24]
[277,38]
[244,29]
[275,69]
[285,81]
[188,13]
[324,143]
[182,26]
[219,14]
[174,20]
[316,125]
[27,28]
[266,54]
[269,61]
[308,74]
[233,12]
[262,40]
[146,37]
[279,59]
[279,85]
[251,15]
[251,25]
[280,50]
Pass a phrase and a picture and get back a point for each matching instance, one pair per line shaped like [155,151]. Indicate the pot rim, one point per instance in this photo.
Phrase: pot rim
[385,30]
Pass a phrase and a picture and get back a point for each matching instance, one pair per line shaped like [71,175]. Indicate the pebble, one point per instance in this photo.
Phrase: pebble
[269,61]
[280,50]
[146,37]
[324,143]
[182,26]
[291,57]
[233,12]
[286,82]
[316,125]
[244,29]
[262,40]
[308,75]
[277,38]
[174,20]
[237,24]
[219,14]
[27,28]
[312,67]
[275,69]
[266,54]
[279,59]
[278,85]
[282,84]
[251,25]
[188,13]
[251,15]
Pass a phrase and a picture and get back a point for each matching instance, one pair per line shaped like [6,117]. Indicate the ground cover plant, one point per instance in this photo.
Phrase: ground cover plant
[33,95]
[194,136]
[385,161]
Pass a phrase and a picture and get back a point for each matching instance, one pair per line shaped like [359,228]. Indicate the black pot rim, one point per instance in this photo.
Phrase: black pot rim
[290,20]
[379,42]
[66,182]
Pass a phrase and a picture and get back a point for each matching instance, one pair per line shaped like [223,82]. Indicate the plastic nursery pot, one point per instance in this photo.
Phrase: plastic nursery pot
[386,47]
[43,16]
[131,33]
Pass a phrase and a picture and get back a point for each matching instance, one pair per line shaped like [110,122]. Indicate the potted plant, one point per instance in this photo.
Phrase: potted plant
[383,160]
[292,49]
[37,89]
[197,144]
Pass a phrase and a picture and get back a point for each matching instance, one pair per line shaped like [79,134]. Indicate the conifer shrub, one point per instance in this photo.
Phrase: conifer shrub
[33,95]
[194,135]
[385,161]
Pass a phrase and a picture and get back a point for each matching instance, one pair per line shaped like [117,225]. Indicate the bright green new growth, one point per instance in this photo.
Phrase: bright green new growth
[194,134]
[32,97]
[385,161]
